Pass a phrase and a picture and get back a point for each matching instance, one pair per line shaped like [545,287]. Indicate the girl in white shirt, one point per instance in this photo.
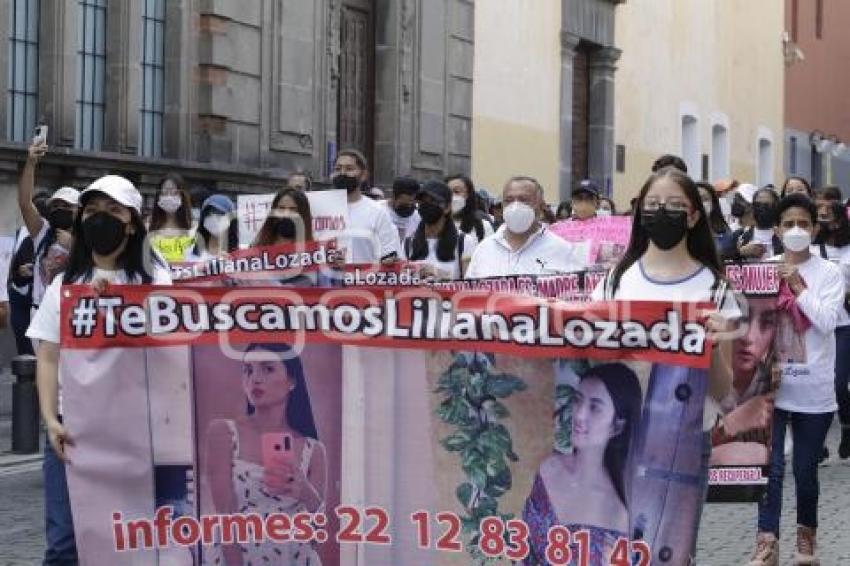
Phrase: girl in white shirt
[672,257]
[109,248]
[442,251]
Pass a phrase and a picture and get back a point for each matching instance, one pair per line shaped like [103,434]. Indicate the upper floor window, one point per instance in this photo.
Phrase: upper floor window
[23,69]
[153,78]
[91,73]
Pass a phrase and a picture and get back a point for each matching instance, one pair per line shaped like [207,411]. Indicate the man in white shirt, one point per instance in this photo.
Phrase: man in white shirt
[522,246]
[371,236]
[402,207]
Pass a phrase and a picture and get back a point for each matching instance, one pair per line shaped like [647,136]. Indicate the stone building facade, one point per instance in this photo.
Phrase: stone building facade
[234,95]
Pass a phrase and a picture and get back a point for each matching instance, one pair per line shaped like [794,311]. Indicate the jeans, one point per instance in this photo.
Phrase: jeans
[59,525]
[809,433]
[842,373]
[19,318]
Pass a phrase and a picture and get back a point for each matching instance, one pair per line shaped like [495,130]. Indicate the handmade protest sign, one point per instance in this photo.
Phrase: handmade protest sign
[329,210]
[605,238]
[741,436]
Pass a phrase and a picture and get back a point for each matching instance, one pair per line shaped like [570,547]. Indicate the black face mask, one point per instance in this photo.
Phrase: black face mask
[430,213]
[61,218]
[405,210]
[666,228]
[104,233]
[286,227]
[349,184]
[765,215]
[739,209]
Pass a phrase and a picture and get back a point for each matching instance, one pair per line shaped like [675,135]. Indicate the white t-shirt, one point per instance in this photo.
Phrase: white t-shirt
[636,285]
[45,325]
[371,235]
[488,229]
[841,257]
[405,226]
[543,253]
[807,384]
[764,237]
[449,270]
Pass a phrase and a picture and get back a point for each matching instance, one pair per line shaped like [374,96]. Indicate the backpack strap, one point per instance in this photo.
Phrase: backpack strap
[460,243]
[823,253]
[406,245]
[608,287]
[718,291]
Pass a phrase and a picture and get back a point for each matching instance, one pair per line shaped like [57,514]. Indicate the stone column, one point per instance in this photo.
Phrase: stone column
[569,43]
[602,64]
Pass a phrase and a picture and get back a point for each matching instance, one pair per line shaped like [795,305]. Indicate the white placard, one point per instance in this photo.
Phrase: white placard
[329,210]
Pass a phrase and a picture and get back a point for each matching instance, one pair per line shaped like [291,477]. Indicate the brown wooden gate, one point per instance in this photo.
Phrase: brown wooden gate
[581,110]
[357,77]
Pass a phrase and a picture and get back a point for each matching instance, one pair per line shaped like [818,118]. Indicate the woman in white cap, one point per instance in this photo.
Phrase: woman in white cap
[109,248]
[51,235]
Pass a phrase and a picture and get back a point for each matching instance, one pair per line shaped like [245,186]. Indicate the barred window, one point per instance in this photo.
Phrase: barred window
[23,69]
[153,75]
[91,73]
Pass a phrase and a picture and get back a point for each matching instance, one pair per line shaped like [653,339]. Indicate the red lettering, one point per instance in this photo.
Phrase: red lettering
[133,529]
[277,527]
[241,522]
[302,526]
[118,532]
[185,531]
[208,525]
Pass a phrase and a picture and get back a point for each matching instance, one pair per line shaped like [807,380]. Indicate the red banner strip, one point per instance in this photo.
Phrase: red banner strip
[413,318]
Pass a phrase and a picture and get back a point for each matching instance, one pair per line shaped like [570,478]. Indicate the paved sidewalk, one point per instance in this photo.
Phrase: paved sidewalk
[728,531]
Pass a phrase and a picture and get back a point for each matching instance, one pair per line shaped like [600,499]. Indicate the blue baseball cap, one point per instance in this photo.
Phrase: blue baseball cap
[588,187]
[221,203]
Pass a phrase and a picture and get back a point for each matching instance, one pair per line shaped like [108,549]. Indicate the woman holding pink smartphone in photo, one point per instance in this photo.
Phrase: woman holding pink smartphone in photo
[270,459]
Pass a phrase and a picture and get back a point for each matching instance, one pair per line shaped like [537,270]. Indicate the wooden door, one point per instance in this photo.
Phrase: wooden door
[357,76]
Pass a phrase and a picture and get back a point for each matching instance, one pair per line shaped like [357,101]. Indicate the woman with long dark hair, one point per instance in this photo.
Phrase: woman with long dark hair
[218,229]
[289,220]
[672,257]
[586,489]
[833,243]
[795,184]
[108,248]
[171,219]
[240,476]
[719,227]
[441,251]
[465,210]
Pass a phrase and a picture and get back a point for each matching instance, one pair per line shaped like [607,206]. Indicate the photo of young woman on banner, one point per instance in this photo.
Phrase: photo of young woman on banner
[268,441]
[741,436]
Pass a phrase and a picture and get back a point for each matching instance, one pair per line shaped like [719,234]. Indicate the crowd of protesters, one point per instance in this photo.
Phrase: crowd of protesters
[682,232]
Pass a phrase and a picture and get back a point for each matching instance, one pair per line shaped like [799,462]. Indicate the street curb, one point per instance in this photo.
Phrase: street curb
[10,459]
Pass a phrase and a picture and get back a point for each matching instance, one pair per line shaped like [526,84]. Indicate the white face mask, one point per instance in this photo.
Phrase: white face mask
[216,224]
[603,212]
[169,203]
[519,217]
[458,202]
[796,239]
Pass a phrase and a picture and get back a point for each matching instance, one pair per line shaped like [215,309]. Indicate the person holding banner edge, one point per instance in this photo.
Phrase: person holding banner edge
[109,249]
[812,294]
[671,255]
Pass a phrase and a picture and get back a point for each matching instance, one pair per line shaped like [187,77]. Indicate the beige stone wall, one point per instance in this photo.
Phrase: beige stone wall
[516,98]
[721,61]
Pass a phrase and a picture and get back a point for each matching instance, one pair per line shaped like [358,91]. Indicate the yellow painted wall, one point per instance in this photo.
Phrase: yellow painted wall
[516,96]
[720,56]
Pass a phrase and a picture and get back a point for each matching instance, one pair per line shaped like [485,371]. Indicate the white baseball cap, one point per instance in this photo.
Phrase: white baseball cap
[118,189]
[66,194]
[747,191]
